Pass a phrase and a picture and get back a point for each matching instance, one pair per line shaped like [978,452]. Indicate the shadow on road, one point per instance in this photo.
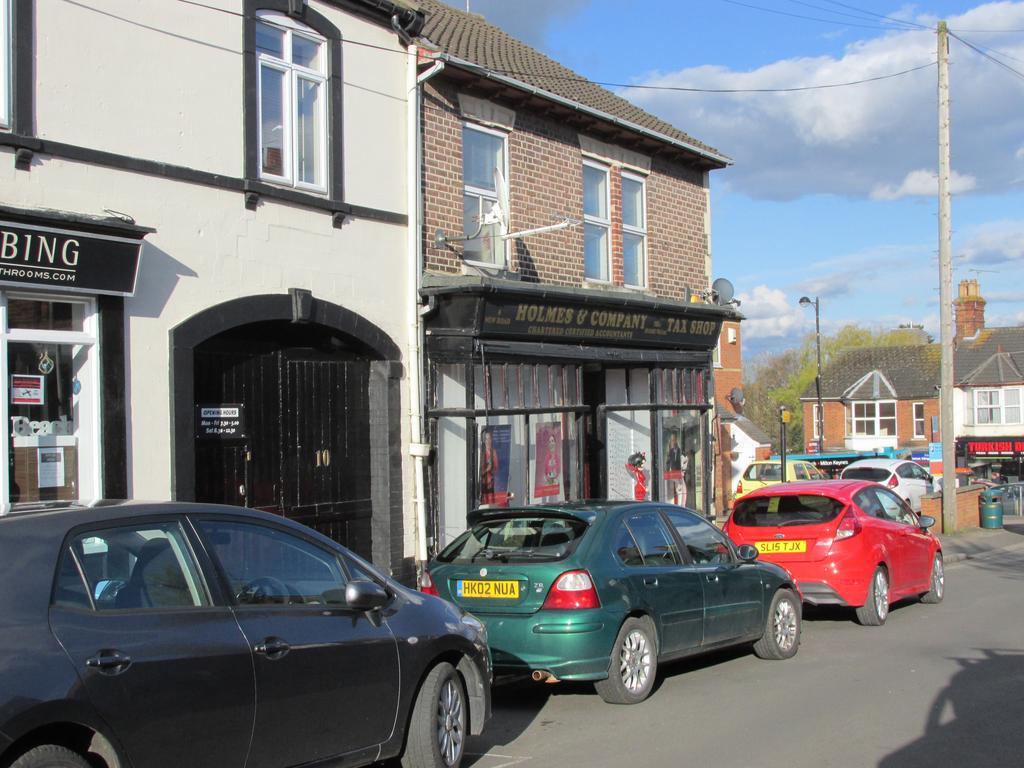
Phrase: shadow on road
[975,720]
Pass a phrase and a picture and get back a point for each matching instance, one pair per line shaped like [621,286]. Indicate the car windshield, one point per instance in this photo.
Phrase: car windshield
[516,540]
[775,511]
[877,474]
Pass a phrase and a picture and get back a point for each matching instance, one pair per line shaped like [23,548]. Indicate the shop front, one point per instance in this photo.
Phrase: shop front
[990,457]
[62,281]
[538,394]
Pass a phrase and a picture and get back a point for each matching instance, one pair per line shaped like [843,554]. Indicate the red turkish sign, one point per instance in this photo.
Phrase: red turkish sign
[986,447]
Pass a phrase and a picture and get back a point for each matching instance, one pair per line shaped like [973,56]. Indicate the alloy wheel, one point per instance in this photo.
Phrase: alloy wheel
[938,578]
[784,624]
[635,661]
[881,594]
[450,723]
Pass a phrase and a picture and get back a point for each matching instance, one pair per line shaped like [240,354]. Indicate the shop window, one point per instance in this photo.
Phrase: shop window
[50,354]
[292,62]
[483,153]
[681,457]
[634,231]
[596,222]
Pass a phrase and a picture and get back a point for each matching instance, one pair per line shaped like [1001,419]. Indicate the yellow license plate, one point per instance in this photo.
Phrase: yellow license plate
[497,590]
[778,547]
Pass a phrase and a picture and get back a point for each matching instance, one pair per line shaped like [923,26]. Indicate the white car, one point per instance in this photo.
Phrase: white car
[911,481]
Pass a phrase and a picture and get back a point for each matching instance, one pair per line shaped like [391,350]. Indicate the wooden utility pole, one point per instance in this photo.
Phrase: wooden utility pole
[945,294]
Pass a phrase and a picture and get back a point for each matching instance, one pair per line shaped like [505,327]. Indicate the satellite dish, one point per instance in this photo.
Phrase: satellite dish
[722,291]
[736,396]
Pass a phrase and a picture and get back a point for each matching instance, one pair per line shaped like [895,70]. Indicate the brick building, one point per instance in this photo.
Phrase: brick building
[554,357]
[875,399]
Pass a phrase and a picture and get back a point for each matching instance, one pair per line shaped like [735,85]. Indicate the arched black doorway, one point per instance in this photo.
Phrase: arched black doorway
[318,387]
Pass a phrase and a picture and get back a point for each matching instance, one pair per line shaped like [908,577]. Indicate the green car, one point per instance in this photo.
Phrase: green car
[604,591]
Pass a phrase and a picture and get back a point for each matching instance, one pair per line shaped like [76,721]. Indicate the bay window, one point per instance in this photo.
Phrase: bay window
[873,419]
[997,406]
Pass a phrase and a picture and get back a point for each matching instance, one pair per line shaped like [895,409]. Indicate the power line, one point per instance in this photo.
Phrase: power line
[576,78]
[994,60]
[880,16]
[806,18]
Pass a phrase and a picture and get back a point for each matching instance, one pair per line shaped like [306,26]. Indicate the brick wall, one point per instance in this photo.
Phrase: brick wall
[968,511]
[546,182]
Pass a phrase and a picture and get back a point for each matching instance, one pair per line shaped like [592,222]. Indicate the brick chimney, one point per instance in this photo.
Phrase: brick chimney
[970,310]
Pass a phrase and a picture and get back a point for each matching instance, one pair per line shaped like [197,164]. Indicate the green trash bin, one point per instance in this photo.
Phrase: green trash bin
[992,508]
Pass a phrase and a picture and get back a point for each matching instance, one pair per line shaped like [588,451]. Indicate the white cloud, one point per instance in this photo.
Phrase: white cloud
[923,183]
[994,243]
[770,313]
[1020,153]
[854,140]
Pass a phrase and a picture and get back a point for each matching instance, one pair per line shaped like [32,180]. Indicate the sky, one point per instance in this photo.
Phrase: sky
[833,191]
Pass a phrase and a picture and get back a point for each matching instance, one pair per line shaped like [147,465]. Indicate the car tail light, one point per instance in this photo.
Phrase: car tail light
[573,590]
[893,481]
[848,526]
[427,584]
[739,487]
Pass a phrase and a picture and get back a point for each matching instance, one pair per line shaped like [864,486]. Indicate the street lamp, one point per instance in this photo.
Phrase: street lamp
[806,301]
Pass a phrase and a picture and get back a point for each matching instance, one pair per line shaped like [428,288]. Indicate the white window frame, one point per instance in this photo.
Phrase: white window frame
[919,434]
[597,221]
[293,74]
[814,422]
[640,232]
[874,419]
[997,407]
[88,428]
[6,66]
[486,195]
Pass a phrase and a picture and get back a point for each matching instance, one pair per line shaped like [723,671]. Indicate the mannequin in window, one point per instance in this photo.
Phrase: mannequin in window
[635,467]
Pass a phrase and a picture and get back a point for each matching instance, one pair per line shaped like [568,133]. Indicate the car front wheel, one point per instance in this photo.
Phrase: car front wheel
[937,583]
[437,728]
[874,612]
[633,664]
[50,756]
[781,636]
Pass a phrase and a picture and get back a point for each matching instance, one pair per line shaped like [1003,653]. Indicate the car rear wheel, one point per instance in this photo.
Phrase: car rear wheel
[437,728]
[633,664]
[781,636]
[938,582]
[874,612]
[50,756]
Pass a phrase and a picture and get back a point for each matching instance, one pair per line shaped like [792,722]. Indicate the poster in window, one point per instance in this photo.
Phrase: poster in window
[495,456]
[548,464]
[51,467]
[676,466]
[27,389]
[680,435]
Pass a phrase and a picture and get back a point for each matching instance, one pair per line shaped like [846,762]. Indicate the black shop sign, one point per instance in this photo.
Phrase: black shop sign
[220,421]
[569,322]
[44,257]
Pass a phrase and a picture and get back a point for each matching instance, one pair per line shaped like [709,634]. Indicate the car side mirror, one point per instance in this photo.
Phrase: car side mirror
[363,595]
[747,553]
[926,521]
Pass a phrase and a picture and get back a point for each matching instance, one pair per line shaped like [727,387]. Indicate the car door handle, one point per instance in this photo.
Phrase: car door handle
[650,581]
[109,662]
[712,577]
[272,647]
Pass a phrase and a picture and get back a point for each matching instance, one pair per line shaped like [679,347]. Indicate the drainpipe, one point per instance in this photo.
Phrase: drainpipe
[418,448]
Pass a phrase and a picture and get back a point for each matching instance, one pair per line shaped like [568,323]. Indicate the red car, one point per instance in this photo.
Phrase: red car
[846,542]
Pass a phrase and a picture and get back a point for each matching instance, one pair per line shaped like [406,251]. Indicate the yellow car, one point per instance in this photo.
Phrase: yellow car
[768,472]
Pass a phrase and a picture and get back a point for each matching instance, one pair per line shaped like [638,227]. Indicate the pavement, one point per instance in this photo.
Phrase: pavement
[976,542]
